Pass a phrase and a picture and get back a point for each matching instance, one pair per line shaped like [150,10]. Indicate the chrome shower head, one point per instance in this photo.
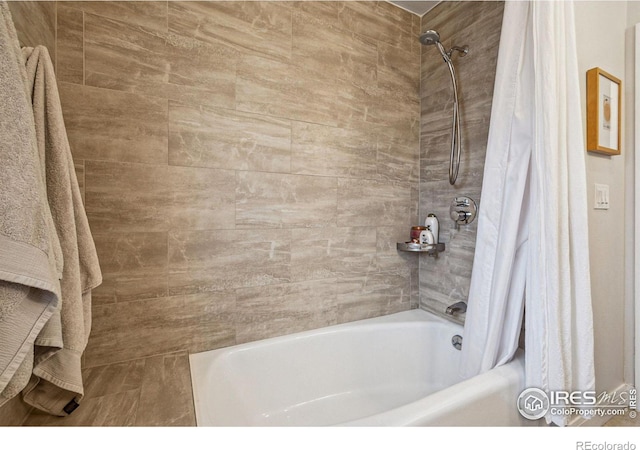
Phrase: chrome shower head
[430,37]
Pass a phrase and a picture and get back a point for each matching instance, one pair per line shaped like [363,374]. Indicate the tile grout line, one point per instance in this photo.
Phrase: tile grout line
[84,56]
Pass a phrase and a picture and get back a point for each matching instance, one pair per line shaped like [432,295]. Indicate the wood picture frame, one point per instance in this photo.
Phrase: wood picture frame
[604,112]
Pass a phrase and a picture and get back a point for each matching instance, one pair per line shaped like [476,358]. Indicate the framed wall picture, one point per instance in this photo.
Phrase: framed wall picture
[604,111]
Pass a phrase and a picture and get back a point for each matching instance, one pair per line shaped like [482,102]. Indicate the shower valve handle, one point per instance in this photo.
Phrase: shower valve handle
[460,216]
[463,210]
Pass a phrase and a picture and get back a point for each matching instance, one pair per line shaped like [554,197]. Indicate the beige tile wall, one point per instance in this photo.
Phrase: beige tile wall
[35,23]
[247,166]
[445,280]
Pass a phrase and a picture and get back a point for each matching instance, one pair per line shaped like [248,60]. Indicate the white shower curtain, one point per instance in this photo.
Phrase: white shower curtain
[532,242]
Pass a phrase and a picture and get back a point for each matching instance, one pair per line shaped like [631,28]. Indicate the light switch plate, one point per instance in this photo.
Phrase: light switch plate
[601,196]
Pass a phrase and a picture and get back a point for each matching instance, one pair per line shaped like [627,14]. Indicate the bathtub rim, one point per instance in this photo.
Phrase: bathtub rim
[415,315]
[441,402]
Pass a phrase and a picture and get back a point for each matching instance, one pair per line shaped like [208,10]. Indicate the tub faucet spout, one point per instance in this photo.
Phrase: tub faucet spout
[459,307]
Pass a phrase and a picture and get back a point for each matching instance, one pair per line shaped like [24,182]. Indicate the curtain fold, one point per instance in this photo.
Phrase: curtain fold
[532,242]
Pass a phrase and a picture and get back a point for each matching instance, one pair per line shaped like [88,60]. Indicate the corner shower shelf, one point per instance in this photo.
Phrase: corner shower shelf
[429,249]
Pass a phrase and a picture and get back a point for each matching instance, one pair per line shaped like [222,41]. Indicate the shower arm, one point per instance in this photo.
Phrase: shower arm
[463,50]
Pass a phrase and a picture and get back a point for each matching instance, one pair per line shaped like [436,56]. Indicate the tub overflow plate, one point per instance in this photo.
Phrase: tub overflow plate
[456,341]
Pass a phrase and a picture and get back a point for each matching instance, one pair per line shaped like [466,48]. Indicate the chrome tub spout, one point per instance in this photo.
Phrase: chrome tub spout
[459,307]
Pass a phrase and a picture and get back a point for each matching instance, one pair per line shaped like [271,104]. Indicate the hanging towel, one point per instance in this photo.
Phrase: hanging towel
[30,255]
[56,384]
[532,242]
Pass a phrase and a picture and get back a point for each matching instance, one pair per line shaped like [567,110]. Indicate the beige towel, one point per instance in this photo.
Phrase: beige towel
[57,378]
[30,254]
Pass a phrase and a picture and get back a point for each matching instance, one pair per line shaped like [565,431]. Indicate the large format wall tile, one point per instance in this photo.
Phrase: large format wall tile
[286,308]
[114,126]
[371,295]
[145,61]
[397,69]
[70,44]
[396,156]
[287,90]
[140,197]
[331,252]
[165,394]
[130,330]
[207,137]
[323,150]
[377,20]
[124,57]
[266,200]
[148,14]
[200,198]
[384,109]
[35,24]
[262,28]
[203,261]
[201,73]
[113,379]
[325,47]
[372,202]
[134,266]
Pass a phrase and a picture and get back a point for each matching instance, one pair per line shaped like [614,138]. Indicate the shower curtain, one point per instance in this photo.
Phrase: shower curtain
[532,242]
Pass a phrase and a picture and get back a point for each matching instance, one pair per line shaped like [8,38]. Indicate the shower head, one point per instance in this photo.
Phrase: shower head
[429,37]
[432,37]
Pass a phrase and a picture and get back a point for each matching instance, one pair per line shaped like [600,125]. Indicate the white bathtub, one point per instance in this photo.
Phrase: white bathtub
[394,370]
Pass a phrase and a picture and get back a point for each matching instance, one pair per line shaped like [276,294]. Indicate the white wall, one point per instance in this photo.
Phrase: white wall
[600,32]
[633,17]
